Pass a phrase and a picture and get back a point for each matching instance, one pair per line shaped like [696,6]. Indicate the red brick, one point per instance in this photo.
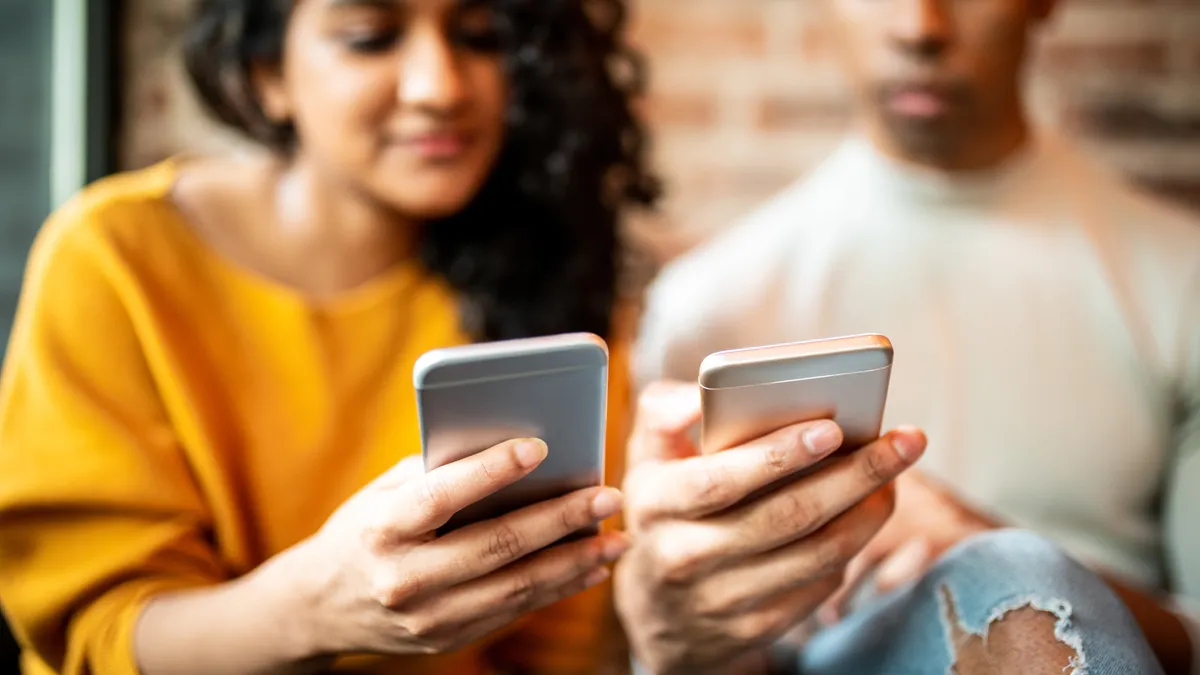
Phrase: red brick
[1129,58]
[757,182]
[681,111]
[1192,60]
[815,43]
[800,114]
[732,32]
[1184,192]
[1125,120]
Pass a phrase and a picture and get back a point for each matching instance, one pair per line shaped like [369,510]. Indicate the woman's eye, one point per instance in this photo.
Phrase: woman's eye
[479,41]
[476,30]
[368,42]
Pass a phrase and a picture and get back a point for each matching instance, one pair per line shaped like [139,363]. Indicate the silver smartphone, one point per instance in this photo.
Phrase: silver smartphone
[472,397]
[748,393]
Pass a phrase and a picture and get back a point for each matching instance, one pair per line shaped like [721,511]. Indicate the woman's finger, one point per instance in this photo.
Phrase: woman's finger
[482,548]
[535,582]
[424,504]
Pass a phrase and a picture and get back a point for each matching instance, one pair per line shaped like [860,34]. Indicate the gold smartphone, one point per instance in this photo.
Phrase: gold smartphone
[749,393]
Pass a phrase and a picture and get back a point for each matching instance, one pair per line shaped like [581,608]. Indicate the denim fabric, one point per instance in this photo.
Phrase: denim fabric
[906,632]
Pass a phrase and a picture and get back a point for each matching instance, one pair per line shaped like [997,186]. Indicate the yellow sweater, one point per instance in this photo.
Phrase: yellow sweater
[170,420]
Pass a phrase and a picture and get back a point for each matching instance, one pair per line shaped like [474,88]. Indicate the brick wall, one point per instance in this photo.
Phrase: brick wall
[746,97]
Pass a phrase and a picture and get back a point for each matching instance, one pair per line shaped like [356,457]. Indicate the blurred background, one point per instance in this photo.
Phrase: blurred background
[745,98]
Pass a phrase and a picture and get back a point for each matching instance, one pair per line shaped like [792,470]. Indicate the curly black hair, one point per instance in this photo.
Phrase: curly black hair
[538,251]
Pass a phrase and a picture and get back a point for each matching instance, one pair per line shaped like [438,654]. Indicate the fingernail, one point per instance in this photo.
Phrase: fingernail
[607,503]
[822,438]
[530,453]
[615,548]
[909,443]
[598,576]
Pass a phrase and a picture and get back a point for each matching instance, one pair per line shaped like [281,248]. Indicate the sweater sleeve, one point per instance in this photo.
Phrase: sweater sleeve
[98,509]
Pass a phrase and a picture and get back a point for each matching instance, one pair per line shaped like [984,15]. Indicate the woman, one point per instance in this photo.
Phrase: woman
[209,387]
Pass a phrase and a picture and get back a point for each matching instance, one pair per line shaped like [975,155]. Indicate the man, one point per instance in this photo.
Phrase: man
[1046,321]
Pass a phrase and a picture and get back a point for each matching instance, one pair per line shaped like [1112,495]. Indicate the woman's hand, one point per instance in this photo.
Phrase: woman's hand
[376,579]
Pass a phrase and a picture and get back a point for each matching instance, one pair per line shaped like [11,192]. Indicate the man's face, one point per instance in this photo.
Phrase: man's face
[936,79]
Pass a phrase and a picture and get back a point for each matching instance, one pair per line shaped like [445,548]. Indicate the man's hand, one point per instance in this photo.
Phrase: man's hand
[929,520]
[713,576]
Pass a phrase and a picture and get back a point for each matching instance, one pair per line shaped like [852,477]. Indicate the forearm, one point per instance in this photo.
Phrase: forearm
[1165,631]
[247,626]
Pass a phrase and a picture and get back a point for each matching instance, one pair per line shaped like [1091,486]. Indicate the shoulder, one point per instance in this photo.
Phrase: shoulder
[1150,229]
[1151,248]
[701,298]
[740,257]
[116,213]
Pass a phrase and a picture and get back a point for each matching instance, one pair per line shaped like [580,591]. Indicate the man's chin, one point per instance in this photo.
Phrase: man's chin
[926,140]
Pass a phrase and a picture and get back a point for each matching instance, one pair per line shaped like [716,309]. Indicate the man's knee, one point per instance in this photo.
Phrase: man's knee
[1022,640]
[1017,553]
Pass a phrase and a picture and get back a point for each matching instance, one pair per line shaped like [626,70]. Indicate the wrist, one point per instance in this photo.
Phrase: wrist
[282,590]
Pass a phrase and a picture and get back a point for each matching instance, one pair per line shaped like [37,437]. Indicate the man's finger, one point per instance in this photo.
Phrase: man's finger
[747,583]
[703,485]
[666,410]
[907,563]
[425,504]
[797,510]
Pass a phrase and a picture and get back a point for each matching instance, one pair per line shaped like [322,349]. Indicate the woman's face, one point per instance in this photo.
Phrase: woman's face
[401,99]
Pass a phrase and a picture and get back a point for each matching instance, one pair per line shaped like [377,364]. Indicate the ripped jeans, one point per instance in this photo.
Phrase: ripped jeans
[941,623]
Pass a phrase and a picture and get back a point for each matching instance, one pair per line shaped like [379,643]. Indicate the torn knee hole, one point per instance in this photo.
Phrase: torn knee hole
[1027,637]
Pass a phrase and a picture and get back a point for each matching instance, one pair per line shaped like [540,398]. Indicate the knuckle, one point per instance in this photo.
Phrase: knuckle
[750,630]
[488,474]
[712,487]
[775,457]
[375,538]
[424,627]
[640,503]
[432,500]
[762,627]
[522,593]
[794,512]
[393,592]
[504,544]
[877,467]
[674,563]
[576,514]
[719,601]
[834,553]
